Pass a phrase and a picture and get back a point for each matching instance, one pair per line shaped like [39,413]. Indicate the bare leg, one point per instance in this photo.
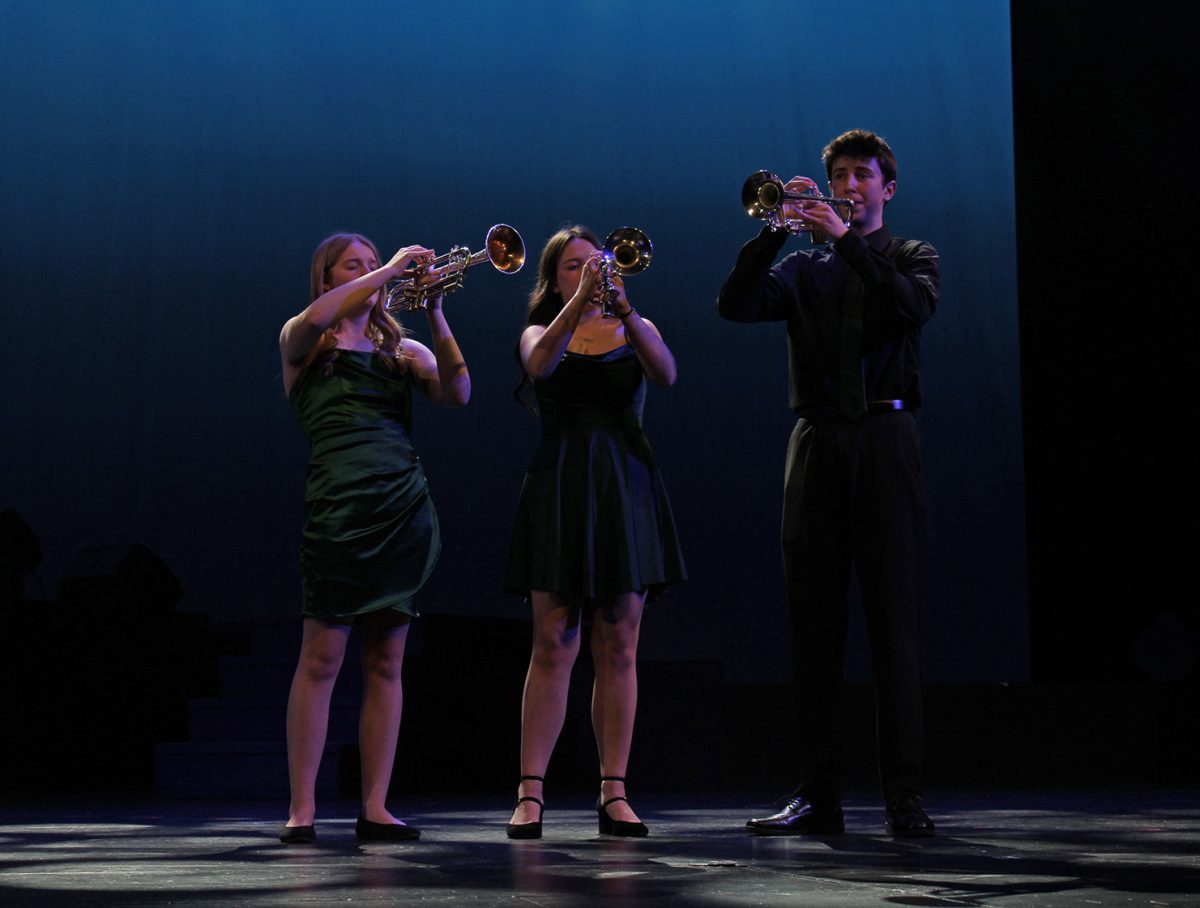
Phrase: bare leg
[615,628]
[385,634]
[555,647]
[321,652]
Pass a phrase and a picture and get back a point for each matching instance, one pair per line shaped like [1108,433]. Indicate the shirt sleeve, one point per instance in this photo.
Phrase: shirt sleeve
[754,291]
[900,286]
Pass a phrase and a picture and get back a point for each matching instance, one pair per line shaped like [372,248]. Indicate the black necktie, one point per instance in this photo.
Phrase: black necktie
[851,401]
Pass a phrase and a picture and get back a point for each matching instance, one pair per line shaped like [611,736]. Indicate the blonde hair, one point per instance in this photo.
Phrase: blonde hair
[385,332]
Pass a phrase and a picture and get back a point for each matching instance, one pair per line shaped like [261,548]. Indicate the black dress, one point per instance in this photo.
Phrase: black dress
[371,537]
[593,520]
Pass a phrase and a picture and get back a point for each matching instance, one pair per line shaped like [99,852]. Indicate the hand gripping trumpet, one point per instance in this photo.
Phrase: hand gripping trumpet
[763,197]
[502,246]
[626,251]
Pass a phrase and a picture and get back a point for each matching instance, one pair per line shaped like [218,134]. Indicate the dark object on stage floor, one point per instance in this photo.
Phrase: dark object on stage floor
[801,816]
[385,832]
[905,817]
[126,578]
[298,835]
[20,554]
[1165,649]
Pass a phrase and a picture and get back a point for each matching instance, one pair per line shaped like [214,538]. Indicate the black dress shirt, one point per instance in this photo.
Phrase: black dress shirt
[899,286]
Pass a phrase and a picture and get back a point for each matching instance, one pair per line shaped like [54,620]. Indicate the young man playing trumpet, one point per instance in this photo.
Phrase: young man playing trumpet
[852,495]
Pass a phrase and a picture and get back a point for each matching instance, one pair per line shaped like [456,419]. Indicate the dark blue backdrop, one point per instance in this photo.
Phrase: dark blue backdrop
[167,169]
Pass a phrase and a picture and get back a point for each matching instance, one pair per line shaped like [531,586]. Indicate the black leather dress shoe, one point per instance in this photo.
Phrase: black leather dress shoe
[298,835]
[385,832]
[802,817]
[905,817]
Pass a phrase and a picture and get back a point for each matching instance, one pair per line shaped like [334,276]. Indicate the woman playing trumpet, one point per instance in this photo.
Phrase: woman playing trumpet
[371,536]
[594,531]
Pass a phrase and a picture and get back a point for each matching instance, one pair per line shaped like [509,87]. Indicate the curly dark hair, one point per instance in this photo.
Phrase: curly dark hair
[860,143]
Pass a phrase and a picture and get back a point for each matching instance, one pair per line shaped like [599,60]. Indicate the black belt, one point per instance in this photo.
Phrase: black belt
[874,407]
[886,406]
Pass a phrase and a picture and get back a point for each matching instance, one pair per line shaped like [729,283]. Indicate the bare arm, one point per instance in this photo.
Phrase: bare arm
[652,352]
[440,374]
[543,346]
[350,300]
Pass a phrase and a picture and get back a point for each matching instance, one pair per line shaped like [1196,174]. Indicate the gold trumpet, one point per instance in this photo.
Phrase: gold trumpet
[627,250]
[764,195]
[502,246]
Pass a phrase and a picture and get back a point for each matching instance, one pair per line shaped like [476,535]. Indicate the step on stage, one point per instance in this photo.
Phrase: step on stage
[1007,848]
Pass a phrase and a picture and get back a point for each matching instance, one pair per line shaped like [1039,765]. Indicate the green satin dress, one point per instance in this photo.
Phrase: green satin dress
[371,535]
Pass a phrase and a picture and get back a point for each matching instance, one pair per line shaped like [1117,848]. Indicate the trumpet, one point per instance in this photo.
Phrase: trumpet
[627,250]
[763,197]
[502,246]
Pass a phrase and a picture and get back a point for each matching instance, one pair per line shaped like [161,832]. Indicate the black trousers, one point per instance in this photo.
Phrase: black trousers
[853,499]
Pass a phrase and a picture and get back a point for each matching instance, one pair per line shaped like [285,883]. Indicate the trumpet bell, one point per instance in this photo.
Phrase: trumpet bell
[762,193]
[505,249]
[629,250]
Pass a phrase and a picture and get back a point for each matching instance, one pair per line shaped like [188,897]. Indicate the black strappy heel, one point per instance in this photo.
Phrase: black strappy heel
[528,830]
[609,826]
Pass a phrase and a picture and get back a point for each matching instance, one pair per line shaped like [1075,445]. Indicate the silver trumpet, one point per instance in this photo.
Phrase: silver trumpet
[626,251]
[502,246]
[763,197]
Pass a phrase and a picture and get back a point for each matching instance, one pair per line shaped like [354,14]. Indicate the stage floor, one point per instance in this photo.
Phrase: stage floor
[1043,848]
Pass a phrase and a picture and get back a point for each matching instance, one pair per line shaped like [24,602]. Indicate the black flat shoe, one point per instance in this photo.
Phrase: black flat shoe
[385,832]
[528,830]
[607,825]
[298,835]
[801,816]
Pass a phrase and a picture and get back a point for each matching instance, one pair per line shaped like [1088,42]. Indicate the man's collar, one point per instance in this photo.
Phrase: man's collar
[878,239]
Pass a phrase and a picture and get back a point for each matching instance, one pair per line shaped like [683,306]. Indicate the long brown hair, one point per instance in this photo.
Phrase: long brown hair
[385,332]
[545,302]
